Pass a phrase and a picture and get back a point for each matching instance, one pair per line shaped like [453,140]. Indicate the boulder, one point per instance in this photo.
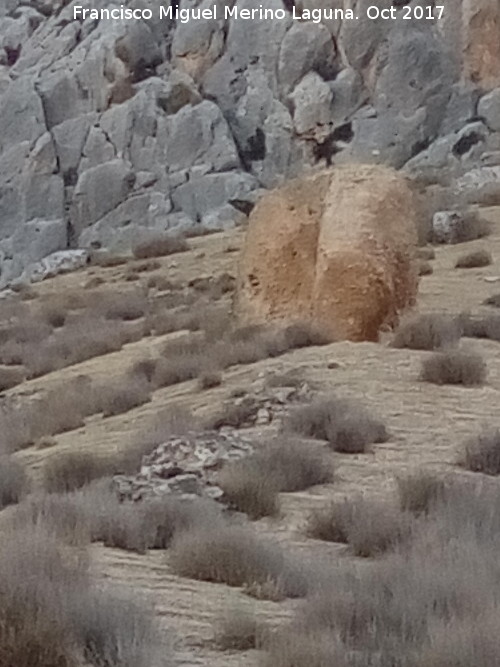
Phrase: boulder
[339,252]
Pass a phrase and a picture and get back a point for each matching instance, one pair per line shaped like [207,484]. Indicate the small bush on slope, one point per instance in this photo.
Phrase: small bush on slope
[427,332]
[234,556]
[419,492]
[482,453]
[454,367]
[252,484]
[345,424]
[474,259]
[50,614]
[432,602]
[13,481]
[369,527]
[159,247]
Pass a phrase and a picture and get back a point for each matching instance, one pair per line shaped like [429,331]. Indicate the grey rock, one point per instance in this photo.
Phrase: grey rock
[203,195]
[461,108]
[453,226]
[306,48]
[56,263]
[312,102]
[480,186]
[489,109]
[99,190]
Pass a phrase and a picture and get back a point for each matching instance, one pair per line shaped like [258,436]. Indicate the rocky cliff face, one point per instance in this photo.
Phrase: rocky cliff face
[112,129]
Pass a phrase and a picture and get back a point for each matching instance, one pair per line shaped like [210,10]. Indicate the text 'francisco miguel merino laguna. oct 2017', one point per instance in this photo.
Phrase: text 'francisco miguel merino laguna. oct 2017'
[260,13]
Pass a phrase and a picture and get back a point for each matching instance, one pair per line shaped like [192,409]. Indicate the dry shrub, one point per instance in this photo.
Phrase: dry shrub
[71,470]
[419,492]
[13,482]
[126,306]
[369,527]
[331,523]
[427,332]
[238,630]
[482,327]
[305,334]
[57,410]
[10,376]
[234,556]
[152,524]
[51,614]
[209,379]
[81,339]
[345,424]
[294,464]
[454,367]
[123,394]
[247,488]
[425,268]
[107,260]
[235,415]
[145,368]
[432,602]
[160,246]
[186,366]
[474,259]
[482,453]
[198,230]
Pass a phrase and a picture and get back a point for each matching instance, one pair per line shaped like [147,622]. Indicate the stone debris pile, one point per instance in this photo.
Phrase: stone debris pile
[186,465]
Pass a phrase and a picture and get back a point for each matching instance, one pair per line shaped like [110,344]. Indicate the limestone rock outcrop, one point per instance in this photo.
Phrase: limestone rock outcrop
[112,128]
[335,248]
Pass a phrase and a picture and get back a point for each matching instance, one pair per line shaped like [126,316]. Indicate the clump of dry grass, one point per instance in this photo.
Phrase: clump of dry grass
[345,424]
[176,369]
[474,259]
[305,334]
[331,524]
[127,306]
[160,246]
[238,630]
[209,379]
[13,482]
[376,527]
[234,556]
[235,415]
[249,489]
[454,367]
[427,332]
[283,464]
[482,453]
[154,523]
[419,492]
[431,602]
[10,376]
[425,268]
[369,527]
[72,470]
[122,395]
[51,614]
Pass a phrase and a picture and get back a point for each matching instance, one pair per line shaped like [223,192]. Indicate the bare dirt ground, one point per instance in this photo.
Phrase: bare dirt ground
[427,423]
